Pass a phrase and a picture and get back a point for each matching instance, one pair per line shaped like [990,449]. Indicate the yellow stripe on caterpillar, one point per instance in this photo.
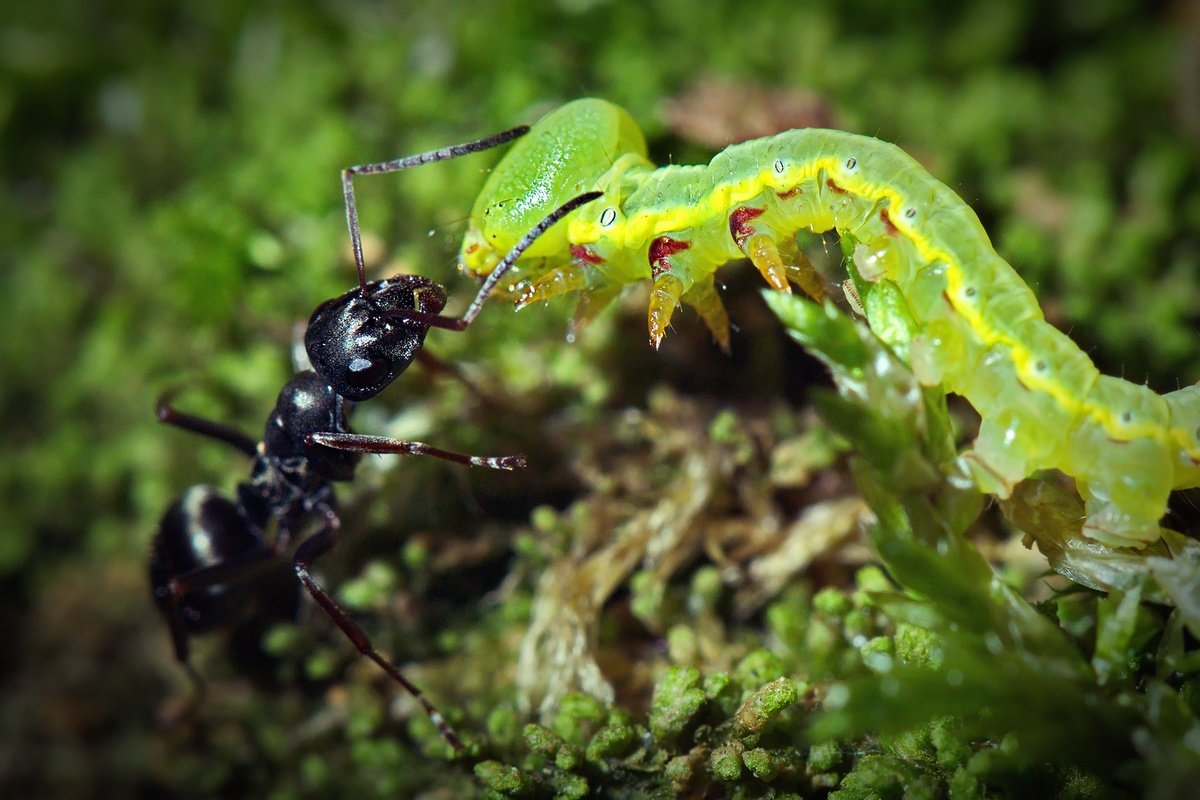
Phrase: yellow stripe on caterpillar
[1042,402]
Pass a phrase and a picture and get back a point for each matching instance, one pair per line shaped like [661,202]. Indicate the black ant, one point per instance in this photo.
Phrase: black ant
[209,548]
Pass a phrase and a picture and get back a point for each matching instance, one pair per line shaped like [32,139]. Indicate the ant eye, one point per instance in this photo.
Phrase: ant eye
[363,373]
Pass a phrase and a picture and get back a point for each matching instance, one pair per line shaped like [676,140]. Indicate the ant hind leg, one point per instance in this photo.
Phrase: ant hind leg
[312,548]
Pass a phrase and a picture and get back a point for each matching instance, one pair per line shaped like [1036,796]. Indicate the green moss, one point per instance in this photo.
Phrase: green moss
[757,668]
[877,776]
[877,653]
[832,602]
[578,717]
[824,757]
[503,781]
[571,787]
[612,741]
[677,698]
[953,747]
[762,764]
[726,761]
[765,704]
[916,645]
[503,723]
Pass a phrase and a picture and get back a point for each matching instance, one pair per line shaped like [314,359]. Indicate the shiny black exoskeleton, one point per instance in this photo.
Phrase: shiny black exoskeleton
[209,548]
[360,348]
[214,540]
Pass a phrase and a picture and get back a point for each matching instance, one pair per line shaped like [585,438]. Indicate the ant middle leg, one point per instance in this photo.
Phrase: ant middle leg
[378,445]
[168,415]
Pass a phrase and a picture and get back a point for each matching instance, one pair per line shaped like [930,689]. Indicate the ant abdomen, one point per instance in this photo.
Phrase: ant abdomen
[200,530]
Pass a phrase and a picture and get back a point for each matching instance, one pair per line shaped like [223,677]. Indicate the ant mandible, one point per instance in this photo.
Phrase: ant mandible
[209,548]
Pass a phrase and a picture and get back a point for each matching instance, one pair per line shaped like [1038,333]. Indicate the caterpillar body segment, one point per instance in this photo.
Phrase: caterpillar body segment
[979,331]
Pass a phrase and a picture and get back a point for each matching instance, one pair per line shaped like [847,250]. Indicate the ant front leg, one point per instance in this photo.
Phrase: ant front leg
[312,548]
[360,443]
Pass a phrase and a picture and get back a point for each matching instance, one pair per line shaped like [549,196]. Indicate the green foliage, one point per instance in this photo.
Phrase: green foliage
[625,758]
[677,698]
[983,657]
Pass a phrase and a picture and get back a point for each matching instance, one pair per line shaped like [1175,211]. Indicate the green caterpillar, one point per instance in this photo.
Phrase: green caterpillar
[1042,402]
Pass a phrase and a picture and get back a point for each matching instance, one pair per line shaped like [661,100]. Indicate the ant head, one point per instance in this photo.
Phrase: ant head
[359,342]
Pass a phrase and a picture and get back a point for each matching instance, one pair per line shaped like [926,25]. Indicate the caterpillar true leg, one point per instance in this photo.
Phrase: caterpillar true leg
[704,298]
[591,303]
[664,296]
[967,321]
[570,277]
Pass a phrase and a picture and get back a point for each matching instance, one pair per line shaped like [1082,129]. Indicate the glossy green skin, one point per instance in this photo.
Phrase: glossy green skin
[564,157]
[981,333]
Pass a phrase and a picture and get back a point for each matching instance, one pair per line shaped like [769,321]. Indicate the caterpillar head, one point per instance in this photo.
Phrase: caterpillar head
[1184,405]
[478,256]
[564,155]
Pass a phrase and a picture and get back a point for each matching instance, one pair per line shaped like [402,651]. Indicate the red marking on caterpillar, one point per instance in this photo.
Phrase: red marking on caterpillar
[584,254]
[888,225]
[977,330]
[661,250]
[739,223]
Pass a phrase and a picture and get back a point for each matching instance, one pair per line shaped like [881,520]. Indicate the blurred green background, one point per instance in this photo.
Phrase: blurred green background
[170,209]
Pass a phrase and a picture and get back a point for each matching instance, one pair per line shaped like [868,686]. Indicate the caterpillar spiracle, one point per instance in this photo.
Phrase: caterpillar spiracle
[981,333]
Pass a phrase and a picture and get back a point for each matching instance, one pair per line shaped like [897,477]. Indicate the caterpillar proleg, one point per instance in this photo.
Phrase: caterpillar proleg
[981,333]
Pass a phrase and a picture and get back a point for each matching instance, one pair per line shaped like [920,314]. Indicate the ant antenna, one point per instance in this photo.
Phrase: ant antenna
[518,249]
[461,323]
[398,164]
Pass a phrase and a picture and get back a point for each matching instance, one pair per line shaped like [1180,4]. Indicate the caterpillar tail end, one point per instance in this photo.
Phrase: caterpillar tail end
[1115,527]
